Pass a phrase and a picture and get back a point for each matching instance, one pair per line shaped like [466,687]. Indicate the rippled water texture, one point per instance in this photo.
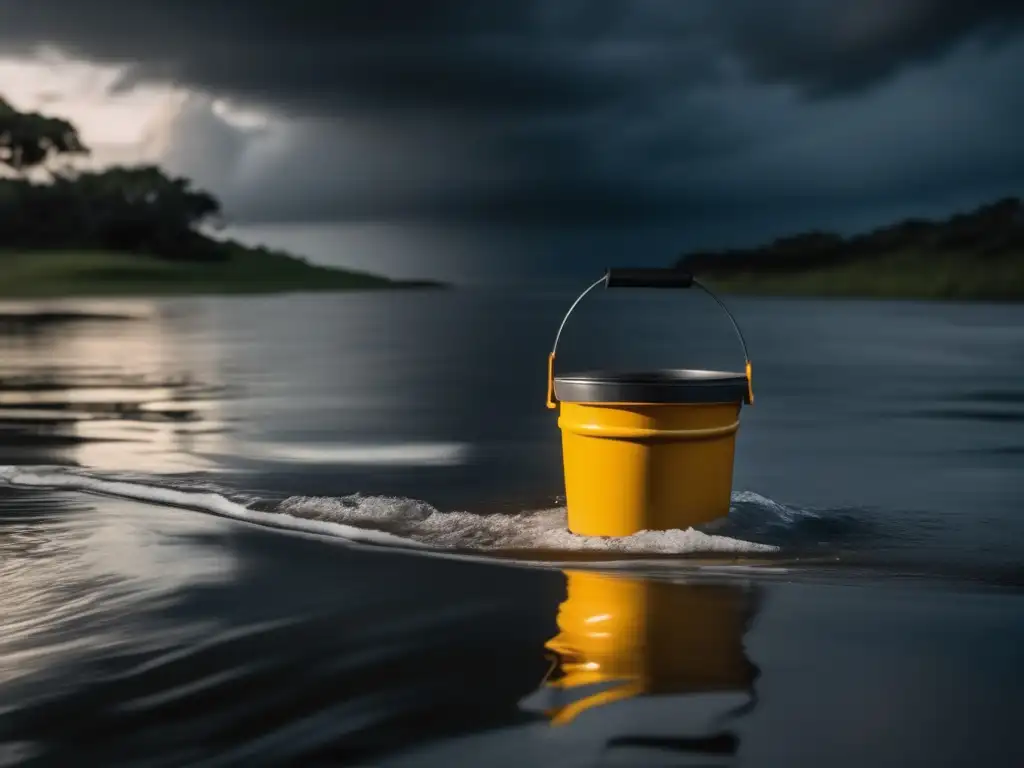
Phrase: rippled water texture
[329,531]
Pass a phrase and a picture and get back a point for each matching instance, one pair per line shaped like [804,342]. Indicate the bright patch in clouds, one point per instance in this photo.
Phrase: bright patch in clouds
[238,117]
[119,126]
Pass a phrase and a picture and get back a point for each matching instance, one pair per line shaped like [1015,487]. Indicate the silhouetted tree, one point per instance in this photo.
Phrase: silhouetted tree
[29,139]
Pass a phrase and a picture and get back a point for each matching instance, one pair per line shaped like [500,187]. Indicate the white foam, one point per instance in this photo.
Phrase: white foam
[397,522]
[213,503]
[534,530]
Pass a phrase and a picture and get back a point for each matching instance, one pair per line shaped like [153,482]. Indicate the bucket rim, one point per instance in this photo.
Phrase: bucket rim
[657,385]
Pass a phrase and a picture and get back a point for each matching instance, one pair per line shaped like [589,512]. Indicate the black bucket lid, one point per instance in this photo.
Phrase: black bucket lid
[669,385]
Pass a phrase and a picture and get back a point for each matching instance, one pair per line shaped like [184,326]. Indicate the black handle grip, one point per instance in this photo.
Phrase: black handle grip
[647,277]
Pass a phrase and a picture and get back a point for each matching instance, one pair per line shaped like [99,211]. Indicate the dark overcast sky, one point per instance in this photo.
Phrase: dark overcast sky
[720,121]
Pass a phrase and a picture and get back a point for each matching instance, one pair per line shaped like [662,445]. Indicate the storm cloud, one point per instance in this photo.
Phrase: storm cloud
[555,113]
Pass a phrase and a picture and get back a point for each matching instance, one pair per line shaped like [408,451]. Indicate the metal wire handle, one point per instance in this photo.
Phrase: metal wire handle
[646,279]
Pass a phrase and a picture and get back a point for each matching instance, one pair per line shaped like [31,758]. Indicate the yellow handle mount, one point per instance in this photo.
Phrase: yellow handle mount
[551,381]
[750,383]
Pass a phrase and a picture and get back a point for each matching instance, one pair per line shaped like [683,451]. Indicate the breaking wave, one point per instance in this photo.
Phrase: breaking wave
[409,524]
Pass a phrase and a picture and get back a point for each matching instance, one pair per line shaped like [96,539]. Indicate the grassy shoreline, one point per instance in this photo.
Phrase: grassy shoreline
[973,256]
[83,274]
[911,276]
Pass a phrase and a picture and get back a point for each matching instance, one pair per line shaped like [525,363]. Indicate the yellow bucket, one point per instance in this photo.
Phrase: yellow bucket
[648,450]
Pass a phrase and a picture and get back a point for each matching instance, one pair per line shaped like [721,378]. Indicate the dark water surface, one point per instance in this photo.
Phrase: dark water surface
[328,530]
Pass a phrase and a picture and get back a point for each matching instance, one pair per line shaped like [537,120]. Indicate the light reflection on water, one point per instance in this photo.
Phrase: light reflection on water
[77,578]
[108,385]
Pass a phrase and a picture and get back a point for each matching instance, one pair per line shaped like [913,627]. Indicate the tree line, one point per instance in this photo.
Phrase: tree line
[134,209]
[993,232]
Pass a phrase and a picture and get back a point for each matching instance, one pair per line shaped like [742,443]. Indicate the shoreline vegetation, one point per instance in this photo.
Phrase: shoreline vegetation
[127,230]
[112,274]
[976,256]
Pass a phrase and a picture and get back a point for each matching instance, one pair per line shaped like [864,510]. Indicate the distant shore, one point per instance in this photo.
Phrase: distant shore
[242,270]
[976,256]
[938,277]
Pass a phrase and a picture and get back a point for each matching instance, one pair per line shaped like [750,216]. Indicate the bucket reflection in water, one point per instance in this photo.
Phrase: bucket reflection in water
[639,650]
